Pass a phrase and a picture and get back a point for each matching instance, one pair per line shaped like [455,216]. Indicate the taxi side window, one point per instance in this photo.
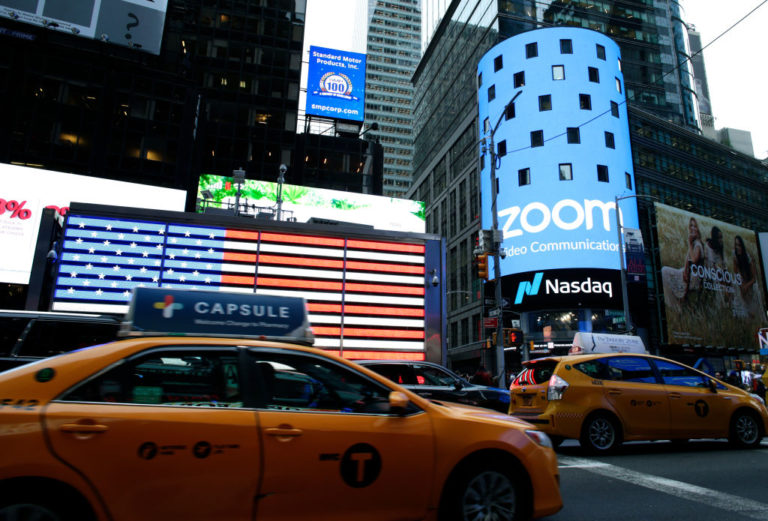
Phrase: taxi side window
[295,382]
[173,378]
[674,374]
[593,368]
[628,369]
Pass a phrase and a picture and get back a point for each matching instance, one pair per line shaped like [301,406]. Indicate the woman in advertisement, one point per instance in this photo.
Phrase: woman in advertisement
[745,298]
[678,282]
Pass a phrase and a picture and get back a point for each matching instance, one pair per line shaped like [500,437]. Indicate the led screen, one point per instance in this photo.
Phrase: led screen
[711,278]
[336,84]
[303,203]
[132,23]
[25,192]
[365,296]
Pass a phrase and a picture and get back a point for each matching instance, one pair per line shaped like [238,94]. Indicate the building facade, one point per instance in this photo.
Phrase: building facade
[393,51]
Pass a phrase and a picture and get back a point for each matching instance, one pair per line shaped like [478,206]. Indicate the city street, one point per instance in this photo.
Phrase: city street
[659,481]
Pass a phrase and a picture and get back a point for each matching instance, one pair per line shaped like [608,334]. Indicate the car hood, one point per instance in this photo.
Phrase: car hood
[470,412]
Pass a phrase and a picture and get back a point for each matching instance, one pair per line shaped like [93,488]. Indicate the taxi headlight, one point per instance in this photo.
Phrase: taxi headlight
[540,438]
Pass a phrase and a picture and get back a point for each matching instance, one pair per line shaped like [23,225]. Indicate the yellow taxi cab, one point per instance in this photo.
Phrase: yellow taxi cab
[231,424]
[604,399]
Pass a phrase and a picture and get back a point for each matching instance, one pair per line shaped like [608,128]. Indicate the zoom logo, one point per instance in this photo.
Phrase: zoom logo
[567,214]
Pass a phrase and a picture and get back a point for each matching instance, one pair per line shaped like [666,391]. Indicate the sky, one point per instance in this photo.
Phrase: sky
[735,63]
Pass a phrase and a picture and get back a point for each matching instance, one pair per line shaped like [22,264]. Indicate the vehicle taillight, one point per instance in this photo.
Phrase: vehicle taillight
[557,387]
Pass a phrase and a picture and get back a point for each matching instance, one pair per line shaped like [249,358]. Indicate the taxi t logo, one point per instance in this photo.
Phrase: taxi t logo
[168,306]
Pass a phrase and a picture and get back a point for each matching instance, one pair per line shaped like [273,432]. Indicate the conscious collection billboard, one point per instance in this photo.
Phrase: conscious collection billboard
[711,279]
[25,192]
[131,23]
[336,84]
[303,203]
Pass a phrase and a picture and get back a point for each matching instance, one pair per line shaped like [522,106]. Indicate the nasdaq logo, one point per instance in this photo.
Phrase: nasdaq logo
[528,288]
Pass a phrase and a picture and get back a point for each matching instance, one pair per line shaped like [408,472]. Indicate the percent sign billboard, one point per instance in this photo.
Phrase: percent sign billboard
[336,84]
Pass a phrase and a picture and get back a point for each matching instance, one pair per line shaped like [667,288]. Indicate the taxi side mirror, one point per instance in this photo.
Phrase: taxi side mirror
[398,402]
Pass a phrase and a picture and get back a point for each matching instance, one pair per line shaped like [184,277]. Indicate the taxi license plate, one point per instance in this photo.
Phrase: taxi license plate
[527,399]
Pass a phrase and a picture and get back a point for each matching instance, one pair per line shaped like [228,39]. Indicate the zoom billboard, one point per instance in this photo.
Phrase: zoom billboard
[553,289]
[336,84]
[561,161]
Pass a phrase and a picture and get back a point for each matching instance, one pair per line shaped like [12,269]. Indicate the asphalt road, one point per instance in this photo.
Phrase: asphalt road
[659,481]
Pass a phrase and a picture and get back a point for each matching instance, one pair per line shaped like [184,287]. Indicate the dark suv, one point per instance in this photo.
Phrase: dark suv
[435,382]
[27,336]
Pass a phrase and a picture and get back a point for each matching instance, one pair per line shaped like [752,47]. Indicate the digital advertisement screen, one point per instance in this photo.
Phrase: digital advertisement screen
[712,280]
[362,294]
[25,192]
[303,203]
[336,84]
[570,288]
[132,23]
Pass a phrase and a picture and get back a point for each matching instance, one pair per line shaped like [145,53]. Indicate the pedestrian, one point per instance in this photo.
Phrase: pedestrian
[482,377]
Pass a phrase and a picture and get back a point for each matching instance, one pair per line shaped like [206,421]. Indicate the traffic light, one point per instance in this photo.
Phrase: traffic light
[513,337]
[482,266]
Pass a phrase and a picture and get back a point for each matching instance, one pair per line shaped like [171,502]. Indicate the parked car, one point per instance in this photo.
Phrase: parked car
[250,425]
[604,399]
[27,336]
[435,382]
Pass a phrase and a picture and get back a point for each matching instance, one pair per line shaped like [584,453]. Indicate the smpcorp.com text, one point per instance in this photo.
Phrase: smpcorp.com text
[339,110]
[547,247]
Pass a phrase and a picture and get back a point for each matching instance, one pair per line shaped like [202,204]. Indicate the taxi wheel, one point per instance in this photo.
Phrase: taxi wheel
[485,490]
[18,504]
[746,432]
[600,434]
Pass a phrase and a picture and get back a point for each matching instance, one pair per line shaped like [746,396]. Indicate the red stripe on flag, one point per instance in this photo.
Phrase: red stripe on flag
[302,239]
[326,330]
[388,311]
[239,257]
[386,246]
[381,288]
[241,234]
[380,266]
[323,308]
[379,355]
[298,283]
[382,333]
[237,279]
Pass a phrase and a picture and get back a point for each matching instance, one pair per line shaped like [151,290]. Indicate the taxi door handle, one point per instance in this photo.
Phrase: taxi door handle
[83,427]
[677,396]
[614,392]
[283,431]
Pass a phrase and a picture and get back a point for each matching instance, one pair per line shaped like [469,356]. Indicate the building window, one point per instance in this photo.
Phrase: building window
[524,176]
[609,141]
[566,172]
[501,148]
[602,173]
[509,111]
[498,63]
[594,74]
[619,64]
[519,79]
[558,72]
[532,50]
[486,125]
[573,135]
[479,80]
[614,109]
[545,102]
[628,180]
[585,102]
[618,85]
[492,93]
[537,138]
[600,52]
[566,47]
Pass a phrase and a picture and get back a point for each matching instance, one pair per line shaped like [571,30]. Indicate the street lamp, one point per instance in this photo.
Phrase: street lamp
[496,246]
[624,297]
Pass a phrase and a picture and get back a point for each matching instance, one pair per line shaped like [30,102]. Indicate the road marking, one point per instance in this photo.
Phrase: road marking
[742,506]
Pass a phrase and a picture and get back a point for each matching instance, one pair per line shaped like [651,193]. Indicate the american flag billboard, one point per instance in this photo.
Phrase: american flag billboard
[366,295]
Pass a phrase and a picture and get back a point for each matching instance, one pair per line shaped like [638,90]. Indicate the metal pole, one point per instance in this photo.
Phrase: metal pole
[497,273]
[624,296]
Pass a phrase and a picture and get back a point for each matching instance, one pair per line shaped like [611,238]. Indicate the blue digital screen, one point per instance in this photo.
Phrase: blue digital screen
[336,84]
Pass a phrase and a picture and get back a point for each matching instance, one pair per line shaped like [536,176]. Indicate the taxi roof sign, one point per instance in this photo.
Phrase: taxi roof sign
[172,312]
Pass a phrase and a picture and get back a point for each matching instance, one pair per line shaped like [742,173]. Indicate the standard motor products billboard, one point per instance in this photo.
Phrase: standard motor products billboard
[132,23]
[336,84]
[711,279]
[25,192]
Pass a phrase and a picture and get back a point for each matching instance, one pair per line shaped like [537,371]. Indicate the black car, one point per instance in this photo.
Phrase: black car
[435,382]
[28,336]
